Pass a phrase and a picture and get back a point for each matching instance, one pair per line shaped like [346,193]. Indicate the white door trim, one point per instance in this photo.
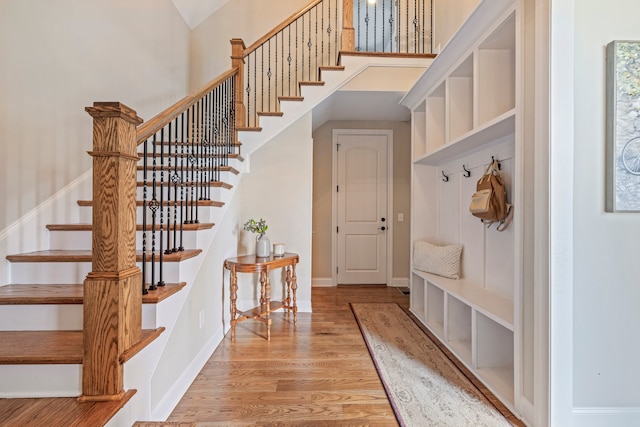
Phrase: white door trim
[334,197]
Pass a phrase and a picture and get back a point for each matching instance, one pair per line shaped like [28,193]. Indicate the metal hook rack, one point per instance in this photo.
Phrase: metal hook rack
[467,172]
[445,177]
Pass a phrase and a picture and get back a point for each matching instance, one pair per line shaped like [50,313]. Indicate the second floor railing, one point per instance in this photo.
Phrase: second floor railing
[272,68]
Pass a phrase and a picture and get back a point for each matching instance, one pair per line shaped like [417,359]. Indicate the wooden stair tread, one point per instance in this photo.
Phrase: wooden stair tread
[52,347]
[311,83]
[23,294]
[270,113]
[291,98]
[249,129]
[204,203]
[215,184]
[331,68]
[89,227]
[66,411]
[186,169]
[85,256]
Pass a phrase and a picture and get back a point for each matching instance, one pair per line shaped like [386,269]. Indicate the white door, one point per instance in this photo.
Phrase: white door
[362,202]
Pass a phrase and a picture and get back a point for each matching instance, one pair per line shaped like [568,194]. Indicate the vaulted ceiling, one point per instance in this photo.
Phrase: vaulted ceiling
[196,11]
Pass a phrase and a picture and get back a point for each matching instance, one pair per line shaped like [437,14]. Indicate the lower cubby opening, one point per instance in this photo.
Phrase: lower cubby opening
[494,357]
[435,309]
[417,297]
[459,328]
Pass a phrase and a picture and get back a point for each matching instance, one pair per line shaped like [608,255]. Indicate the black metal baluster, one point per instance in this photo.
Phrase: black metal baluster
[169,182]
[255,90]
[407,26]
[183,167]
[375,26]
[322,37]
[415,27]
[383,41]
[391,32]
[336,34]
[269,74]
[248,90]
[330,59]
[358,25]
[296,65]
[302,59]
[309,44]
[196,144]
[144,216]
[231,120]
[316,43]
[153,206]
[191,160]
[289,59]
[161,231]
[175,179]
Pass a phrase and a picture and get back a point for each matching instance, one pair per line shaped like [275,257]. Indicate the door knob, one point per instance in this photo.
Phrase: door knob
[383,219]
[382,228]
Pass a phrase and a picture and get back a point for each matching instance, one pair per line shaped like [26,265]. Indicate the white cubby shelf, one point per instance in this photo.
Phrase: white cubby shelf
[494,306]
[466,109]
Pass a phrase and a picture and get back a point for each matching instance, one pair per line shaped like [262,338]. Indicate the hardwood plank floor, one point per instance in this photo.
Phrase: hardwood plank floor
[316,374]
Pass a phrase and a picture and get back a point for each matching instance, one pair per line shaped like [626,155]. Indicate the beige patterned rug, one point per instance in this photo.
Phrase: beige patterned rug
[425,388]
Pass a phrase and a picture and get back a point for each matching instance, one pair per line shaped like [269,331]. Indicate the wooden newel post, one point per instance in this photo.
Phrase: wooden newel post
[237,61]
[348,32]
[113,289]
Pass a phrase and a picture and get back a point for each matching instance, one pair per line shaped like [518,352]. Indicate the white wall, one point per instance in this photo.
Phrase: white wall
[448,16]
[279,189]
[605,294]
[59,56]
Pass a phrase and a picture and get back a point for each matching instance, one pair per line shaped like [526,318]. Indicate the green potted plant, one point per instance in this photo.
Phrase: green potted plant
[260,227]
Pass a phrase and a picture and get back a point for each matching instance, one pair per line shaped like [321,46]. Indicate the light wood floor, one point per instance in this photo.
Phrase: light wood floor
[316,374]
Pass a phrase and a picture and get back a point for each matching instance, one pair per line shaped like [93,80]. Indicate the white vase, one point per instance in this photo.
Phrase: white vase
[263,246]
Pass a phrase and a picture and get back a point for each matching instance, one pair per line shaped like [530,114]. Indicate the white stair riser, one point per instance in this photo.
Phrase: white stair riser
[81,240]
[49,317]
[63,317]
[47,273]
[204,214]
[40,381]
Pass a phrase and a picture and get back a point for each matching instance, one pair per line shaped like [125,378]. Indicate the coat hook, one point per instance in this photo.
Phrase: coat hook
[446,178]
[467,172]
[499,164]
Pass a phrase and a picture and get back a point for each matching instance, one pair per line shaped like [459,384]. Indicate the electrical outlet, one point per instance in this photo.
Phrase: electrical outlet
[400,217]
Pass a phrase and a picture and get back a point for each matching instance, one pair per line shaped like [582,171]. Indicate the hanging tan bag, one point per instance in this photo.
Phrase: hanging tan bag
[489,202]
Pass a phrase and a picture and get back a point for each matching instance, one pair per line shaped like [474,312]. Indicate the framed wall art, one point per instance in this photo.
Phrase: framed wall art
[623,127]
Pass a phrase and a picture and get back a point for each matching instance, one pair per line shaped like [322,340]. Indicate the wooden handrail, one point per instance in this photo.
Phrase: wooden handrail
[147,129]
[280,27]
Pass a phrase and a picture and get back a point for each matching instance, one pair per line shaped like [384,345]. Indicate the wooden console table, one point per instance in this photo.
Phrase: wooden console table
[262,266]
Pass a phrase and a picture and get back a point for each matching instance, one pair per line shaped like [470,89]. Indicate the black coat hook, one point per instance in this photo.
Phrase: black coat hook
[446,178]
[467,172]
[499,164]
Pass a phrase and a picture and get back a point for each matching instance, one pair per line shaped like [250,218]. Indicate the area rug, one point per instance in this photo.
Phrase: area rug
[425,387]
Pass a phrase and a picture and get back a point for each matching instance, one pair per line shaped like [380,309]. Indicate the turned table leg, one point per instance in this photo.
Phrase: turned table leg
[294,287]
[234,297]
[267,291]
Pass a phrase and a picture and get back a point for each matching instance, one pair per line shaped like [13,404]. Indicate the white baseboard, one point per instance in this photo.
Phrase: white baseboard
[322,282]
[399,282]
[325,282]
[606,416]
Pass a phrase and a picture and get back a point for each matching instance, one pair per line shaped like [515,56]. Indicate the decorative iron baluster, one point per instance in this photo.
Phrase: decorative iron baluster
[248,89]
[169,172]
[392,44]
[269,74]
[289,59]
[175,180]
[302,60]
[161,231]
[358,21]
[309,44]
[183,167]
[329,33]
[145,155]
[153,206]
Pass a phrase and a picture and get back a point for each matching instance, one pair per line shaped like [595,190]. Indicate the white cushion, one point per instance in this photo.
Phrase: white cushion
[441,260]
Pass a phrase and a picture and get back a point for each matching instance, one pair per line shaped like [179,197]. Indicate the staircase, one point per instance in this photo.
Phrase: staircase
[41,311]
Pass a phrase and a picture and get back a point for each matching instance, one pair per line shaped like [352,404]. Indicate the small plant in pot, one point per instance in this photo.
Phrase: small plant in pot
[260,227]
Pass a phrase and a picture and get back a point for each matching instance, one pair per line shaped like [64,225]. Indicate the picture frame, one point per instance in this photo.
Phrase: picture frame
[622,192]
